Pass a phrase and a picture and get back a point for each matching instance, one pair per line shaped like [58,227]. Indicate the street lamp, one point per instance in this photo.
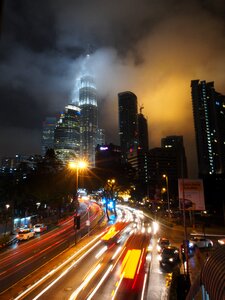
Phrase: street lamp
[77,165]
[167,193]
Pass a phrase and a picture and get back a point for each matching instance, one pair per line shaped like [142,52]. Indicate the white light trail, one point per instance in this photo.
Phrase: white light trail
[85,282]
[116,253]
[65,272]
[103,250]
[58,268]
[144,285]
[100,282]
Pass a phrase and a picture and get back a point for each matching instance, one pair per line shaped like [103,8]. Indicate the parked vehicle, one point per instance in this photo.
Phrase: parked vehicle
[25,234]
[40,227]
[169,256]
[201,242]
[162,242]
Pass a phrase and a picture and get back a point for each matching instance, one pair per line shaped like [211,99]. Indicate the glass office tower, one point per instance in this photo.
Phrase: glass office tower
[209,120]
[67,134]
[128,123]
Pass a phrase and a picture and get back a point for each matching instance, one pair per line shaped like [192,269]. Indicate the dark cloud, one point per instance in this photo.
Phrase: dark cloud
[153,48]
[30,23]
[18,102]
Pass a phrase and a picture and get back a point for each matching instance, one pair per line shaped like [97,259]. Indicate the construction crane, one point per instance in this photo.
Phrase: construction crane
[141,108]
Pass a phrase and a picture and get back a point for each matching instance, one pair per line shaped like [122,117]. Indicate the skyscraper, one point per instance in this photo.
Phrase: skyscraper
[175,144]
[48,131]
[85,97]
[142,132]
[128,123]
[162,161]
[67,134]
[209,120]
[89,118]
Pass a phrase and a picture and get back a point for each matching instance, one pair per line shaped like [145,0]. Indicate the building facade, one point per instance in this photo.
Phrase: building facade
[67,134]
[209,121]
[48,132]
[142,132]
[176,145]
[128,123]
[107,156]
[89,119]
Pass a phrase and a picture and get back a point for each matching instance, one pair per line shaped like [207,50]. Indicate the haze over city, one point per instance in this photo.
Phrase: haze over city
[153,49]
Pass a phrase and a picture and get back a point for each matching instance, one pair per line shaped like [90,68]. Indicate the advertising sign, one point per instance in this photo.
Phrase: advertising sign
[191,194]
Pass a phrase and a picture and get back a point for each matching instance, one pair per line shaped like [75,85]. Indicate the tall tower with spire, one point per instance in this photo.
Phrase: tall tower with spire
[89,118]
[86,100]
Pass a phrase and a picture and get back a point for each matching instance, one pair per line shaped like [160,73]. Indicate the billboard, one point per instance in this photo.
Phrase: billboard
[191,194]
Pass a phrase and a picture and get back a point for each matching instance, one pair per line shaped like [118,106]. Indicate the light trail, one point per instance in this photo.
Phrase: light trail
[58,268]
[118,285]
[103,250]
[100,283]
[85,282]
[144,286]
[116,253]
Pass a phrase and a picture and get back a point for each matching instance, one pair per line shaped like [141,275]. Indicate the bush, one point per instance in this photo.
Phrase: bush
[4,239]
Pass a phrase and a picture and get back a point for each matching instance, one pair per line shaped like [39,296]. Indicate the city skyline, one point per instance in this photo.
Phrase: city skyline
[152,50]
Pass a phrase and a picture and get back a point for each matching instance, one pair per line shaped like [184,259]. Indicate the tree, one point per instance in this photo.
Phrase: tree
[50,183]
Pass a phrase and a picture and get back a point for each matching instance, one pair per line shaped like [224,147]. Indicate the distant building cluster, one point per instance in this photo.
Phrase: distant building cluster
[75,134]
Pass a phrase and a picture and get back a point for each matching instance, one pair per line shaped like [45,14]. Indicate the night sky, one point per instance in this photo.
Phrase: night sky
[153,48]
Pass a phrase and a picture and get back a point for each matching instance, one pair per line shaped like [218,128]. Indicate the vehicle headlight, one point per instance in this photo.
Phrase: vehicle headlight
[191,245]
[170,259]
[150,248]
[149,257]
[155,227]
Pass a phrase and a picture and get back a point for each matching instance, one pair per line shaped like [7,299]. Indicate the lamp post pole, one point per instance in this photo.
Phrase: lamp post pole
[88,221]
[167,193]
[76,165]
[76,197]
[7,206]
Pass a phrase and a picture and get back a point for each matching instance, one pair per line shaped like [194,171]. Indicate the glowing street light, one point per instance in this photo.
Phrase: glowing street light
[167,193]
[77,165]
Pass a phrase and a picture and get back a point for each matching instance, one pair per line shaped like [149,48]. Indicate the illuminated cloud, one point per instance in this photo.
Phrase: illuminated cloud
[152,48]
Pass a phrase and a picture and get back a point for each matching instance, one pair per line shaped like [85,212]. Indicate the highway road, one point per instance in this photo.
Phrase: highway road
[23,258]
[119,261]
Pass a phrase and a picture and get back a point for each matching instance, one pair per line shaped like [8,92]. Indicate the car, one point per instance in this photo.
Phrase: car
[40,227]
[169,256]
[25,234]
[201,242]
[162,242]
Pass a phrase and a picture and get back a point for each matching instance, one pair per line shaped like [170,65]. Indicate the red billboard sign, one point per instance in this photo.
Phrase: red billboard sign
[191,194]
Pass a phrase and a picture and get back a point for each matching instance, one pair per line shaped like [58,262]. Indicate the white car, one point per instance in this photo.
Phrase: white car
[25,234]
[201,242]
[40,227]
